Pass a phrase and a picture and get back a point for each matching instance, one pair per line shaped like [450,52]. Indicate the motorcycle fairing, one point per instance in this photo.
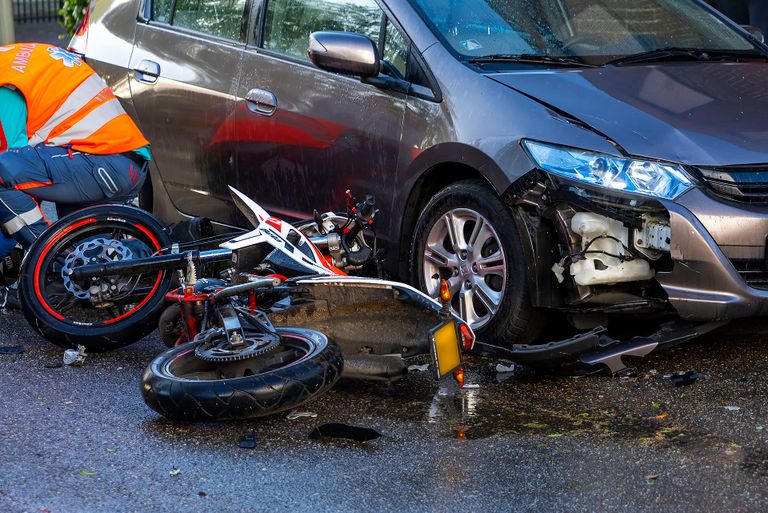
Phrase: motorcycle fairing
[277,234]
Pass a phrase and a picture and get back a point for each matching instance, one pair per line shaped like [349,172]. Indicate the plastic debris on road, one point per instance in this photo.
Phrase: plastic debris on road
[295,414]
[732,408]
[174,472]
[248,441]
[75,357]
[681,379]
[344,431]
[504,371]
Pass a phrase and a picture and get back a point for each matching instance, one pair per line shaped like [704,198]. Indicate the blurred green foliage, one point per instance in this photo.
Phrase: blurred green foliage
[72,13]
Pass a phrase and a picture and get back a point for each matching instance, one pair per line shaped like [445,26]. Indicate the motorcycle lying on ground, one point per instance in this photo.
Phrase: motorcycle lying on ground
[279,324]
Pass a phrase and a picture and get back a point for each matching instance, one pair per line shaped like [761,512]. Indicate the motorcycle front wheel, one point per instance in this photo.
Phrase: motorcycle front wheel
[102,313]
[181,386]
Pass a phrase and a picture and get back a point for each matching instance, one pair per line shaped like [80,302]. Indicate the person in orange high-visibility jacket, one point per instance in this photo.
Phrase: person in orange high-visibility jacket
[64,137]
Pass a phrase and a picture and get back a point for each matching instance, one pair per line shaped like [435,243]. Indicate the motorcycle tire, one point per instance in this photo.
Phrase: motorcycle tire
[180,386]
[61,309]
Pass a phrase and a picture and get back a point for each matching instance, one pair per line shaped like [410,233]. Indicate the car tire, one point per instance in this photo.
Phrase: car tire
[481,257]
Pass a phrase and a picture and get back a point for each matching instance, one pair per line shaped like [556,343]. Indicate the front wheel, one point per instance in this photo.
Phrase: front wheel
[468,237]
[302,365]
[101,313]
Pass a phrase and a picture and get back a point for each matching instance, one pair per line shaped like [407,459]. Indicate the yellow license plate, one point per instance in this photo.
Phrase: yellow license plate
[445,348]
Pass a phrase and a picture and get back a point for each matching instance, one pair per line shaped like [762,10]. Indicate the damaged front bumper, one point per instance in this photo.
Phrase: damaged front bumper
[688,265]
[718,250]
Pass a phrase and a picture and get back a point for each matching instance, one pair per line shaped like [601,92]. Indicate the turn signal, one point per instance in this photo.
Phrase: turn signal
[458,374]
[467,337]
[445,292]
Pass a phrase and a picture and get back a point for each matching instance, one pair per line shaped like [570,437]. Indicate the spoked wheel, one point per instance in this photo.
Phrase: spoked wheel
[100,313]
[204,382]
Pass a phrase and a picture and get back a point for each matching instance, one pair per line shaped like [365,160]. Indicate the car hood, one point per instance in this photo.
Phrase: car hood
[712,114]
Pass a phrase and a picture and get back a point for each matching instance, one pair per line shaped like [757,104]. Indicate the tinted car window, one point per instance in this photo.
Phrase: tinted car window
[289,22]
[222,18]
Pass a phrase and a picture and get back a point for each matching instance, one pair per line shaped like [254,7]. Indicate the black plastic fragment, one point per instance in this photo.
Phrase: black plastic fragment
[11,349]
[345,431]
[681,379]
[248,441]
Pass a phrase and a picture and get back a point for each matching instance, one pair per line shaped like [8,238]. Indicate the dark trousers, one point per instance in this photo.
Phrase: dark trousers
[746,12]
[69,179]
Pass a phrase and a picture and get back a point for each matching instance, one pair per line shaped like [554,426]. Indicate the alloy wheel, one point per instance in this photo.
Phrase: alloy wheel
[463,248]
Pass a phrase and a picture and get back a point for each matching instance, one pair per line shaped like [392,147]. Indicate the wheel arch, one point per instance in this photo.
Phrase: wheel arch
[426,185]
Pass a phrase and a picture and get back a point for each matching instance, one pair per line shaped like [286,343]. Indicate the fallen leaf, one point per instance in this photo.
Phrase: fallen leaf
[535,425]
[759,428]
[554,435]
[656,405]
[86,473]
[661,416]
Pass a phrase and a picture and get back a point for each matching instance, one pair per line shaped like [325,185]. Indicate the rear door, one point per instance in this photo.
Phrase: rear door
[327,132]
[183,77]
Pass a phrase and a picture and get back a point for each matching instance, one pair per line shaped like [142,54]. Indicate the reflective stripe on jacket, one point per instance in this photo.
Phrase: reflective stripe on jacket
[67,103]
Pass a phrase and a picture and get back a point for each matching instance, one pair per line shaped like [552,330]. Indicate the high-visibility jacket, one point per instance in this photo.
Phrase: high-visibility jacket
[67,103]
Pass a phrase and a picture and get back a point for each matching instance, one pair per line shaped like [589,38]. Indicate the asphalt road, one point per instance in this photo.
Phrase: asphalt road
[82,440]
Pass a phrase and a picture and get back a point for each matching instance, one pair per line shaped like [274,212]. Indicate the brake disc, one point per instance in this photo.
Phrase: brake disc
[94,251]
[216,348]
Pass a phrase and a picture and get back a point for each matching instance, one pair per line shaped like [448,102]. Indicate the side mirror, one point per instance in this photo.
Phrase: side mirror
[755,32]
[344,52]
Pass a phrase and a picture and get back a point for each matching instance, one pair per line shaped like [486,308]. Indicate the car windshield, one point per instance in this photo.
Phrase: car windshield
[593,31]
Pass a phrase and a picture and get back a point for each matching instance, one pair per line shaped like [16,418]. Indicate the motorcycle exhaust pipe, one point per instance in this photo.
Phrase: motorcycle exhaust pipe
[149,264]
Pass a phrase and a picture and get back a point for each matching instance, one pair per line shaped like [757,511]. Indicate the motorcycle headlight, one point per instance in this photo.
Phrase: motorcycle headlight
[637,176]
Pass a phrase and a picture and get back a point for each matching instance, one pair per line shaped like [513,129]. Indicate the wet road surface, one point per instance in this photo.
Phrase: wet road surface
[82,440]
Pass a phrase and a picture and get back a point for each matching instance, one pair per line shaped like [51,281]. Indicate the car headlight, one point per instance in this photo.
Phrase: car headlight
[630,175]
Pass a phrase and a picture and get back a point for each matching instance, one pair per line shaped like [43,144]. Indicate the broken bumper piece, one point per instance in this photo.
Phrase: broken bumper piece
[595,351]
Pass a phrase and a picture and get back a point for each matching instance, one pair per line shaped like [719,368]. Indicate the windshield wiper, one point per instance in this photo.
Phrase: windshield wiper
[672,53]
[532,59]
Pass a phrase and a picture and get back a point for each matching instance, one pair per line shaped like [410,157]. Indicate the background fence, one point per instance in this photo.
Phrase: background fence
[30,11]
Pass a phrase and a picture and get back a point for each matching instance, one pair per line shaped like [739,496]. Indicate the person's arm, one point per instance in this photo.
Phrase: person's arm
[13,119]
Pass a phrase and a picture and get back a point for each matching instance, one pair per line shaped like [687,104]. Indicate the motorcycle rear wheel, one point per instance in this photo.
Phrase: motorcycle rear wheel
[180,386]
[60,309]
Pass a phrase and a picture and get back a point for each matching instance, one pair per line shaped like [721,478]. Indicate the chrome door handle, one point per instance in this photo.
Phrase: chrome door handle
[147,72]
[261,101]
